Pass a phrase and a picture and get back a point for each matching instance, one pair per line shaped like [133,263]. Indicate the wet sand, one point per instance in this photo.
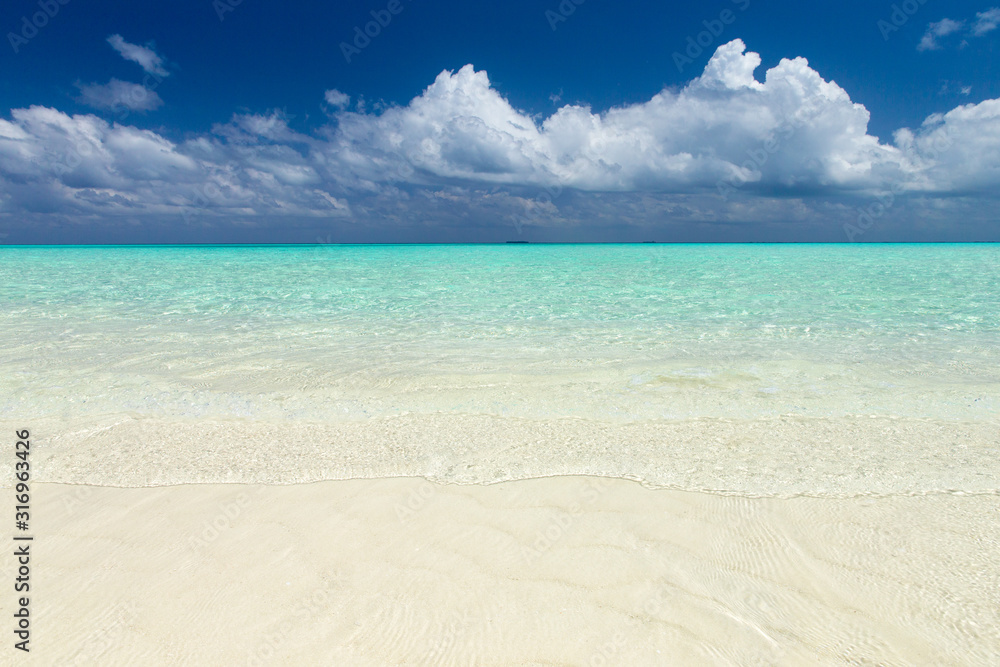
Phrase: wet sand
[554,571]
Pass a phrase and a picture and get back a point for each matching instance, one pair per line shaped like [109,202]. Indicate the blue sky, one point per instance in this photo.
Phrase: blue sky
[229,121]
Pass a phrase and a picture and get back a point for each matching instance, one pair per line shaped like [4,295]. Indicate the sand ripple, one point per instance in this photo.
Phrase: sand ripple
[559,571]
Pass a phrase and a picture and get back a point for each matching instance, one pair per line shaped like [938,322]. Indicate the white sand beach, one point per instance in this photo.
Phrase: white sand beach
[553,455]
[555,571]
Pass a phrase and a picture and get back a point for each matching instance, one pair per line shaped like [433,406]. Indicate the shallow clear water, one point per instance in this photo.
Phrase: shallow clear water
[617,334]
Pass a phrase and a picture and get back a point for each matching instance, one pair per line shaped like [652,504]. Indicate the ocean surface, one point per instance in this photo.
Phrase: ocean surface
[758,369]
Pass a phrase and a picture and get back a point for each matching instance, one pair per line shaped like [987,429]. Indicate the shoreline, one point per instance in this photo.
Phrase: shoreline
[558,570]
[784,456]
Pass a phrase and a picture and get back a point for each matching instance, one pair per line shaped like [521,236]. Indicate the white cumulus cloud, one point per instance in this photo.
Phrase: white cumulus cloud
[810,132]
[336,99]
[785,146]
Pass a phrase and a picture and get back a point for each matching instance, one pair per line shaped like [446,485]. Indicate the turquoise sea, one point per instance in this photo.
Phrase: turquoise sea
[605,336]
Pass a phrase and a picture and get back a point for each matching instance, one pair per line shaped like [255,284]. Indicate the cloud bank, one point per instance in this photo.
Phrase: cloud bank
[726,147]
